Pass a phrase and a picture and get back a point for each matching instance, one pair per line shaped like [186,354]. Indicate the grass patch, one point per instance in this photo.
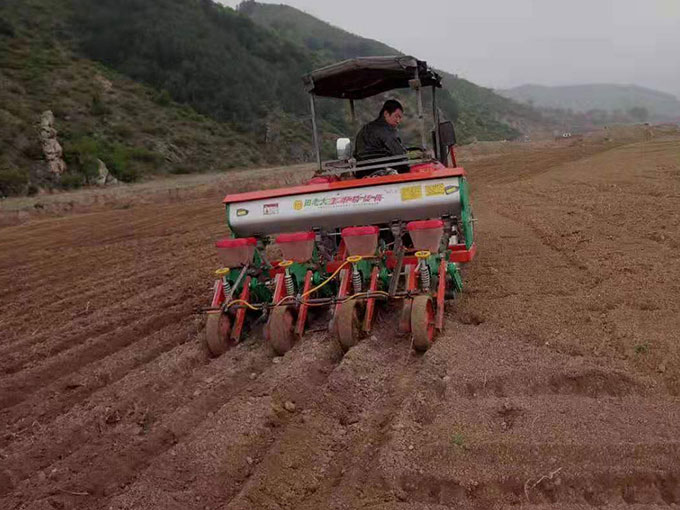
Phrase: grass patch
[642,348]
[458,440]
[126,163]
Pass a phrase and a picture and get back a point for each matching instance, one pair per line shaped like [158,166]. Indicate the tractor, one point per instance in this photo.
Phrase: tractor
[345,244]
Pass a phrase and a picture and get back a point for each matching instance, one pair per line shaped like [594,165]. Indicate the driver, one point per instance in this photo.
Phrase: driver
[380,138]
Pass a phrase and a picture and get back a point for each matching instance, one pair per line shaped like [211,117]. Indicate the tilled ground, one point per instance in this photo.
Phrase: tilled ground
[554,386]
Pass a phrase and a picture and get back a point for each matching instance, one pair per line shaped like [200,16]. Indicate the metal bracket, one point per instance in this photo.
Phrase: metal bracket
[394,281]
[241,275]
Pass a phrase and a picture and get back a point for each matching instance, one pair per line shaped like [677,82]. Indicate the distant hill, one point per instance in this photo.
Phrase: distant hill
[659,106]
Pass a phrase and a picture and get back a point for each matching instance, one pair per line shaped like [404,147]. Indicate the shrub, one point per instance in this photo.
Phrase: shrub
[98,107]
[117,159]
[180,170]
[145,156]
[162,98]
[6,28]
[32,150]
[71,181]
[123,131]
[12,180]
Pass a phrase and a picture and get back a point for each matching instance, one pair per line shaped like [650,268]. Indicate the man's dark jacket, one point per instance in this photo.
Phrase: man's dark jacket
[378,139]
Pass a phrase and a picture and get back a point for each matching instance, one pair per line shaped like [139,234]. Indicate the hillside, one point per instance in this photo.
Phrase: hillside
[480,112]
[604,97]
[179,86]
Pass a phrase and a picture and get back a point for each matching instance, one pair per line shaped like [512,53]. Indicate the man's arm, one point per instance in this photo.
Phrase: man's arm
[393,143]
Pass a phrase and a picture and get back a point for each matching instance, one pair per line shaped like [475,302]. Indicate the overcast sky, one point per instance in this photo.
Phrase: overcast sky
[503,43]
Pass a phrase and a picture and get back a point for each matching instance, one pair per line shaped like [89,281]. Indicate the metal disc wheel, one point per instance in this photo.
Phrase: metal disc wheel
[217,333]
[422,323]
[348,325]
[281,329]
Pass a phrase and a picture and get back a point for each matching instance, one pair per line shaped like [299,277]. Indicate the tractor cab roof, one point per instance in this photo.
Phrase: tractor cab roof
[363,77]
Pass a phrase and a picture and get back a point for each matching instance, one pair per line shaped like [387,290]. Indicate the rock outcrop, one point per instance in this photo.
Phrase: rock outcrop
[104,177]
[54,154]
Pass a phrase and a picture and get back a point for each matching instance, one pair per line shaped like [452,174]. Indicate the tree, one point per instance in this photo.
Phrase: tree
[639,113]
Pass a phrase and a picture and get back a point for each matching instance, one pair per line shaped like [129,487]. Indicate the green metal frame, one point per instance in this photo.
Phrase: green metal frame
[466,213]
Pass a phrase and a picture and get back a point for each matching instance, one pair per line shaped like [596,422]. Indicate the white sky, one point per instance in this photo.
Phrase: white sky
[504,43]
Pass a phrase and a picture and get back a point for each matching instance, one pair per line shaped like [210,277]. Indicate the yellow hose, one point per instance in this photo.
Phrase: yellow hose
[242,302]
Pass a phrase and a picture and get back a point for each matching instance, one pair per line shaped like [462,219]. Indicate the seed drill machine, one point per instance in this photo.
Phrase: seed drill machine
[347,244]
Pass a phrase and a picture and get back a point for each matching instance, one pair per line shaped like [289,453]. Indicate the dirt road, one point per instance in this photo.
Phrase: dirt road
[555,386]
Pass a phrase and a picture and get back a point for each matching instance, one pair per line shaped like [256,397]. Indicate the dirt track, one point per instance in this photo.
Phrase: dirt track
[555,386]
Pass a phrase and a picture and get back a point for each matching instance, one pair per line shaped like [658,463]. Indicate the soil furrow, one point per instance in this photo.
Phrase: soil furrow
[17,388]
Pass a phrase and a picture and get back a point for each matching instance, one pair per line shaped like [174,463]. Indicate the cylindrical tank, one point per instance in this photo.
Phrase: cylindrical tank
[365,204]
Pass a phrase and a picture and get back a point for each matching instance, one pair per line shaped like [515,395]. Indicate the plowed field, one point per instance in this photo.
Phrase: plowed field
[555,384]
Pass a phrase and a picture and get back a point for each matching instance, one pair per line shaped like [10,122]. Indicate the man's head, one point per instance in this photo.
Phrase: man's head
[392,112]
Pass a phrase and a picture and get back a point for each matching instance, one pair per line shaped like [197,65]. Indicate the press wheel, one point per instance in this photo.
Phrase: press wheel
[218,333]
[281,329]
[422,323]
[348,325]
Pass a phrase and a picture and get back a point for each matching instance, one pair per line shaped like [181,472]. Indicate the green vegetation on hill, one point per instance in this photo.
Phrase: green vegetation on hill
[202,53]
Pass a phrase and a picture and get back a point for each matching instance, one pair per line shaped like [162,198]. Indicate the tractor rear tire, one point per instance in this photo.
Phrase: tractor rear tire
[423,323]
[218,333]
[348,325]
[281,328]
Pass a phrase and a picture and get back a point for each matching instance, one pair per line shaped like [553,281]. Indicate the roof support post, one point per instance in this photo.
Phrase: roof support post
[435,121]
[317,147]
[353,119]
[415,85]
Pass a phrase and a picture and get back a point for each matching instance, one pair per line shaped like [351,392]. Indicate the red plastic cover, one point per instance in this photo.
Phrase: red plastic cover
[424,225]
[426,167]
[236,243]
[360,231]
[322,179]
[295,237]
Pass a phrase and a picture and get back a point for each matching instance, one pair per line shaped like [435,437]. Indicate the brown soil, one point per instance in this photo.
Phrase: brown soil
[555,385]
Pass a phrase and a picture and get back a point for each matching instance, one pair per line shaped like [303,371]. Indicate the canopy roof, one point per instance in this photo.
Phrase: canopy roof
[362,77]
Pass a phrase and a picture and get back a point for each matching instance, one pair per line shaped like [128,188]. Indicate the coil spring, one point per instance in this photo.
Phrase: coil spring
[424,276]
[290,286]
[356,280]
[226,286]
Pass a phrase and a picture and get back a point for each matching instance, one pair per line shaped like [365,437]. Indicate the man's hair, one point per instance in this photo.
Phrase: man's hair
[390,106]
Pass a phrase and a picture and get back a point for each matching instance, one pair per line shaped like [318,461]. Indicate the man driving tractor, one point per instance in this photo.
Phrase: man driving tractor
[380,138]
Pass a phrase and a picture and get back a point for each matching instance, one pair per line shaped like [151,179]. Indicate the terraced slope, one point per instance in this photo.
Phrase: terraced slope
[555,385]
